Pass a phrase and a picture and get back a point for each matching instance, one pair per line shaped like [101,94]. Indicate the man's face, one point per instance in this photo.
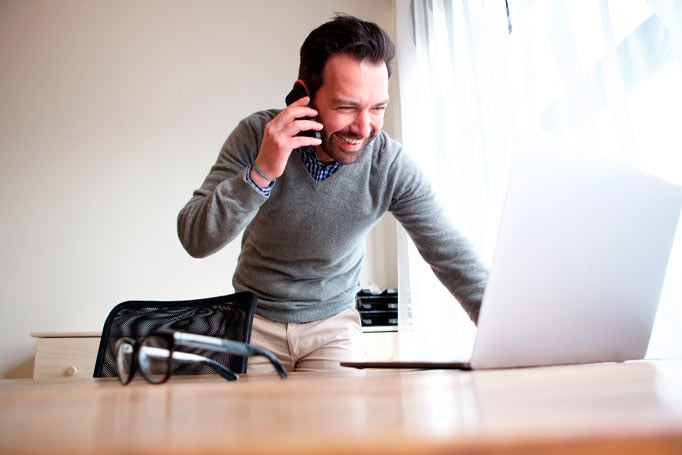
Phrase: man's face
[351,103]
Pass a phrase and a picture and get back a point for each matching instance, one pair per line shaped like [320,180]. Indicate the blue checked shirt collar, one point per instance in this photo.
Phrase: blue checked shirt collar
[316,168]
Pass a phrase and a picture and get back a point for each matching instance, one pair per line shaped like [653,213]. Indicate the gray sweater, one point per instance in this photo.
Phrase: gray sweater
[303,245]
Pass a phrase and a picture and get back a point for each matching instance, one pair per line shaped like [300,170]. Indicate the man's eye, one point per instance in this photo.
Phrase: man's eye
[345,108]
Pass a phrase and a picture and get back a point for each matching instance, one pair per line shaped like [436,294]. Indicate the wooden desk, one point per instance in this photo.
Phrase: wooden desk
[603,408]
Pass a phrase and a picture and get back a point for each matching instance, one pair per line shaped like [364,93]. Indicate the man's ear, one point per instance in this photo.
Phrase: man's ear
[305,86]
[299,91]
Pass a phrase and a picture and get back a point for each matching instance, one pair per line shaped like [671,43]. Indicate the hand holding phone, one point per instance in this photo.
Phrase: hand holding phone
[279,140]
[299,91]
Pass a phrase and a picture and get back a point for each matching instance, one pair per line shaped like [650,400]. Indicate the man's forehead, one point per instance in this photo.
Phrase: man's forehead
[347,75]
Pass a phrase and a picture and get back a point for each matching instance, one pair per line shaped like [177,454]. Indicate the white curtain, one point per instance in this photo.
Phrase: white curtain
[604,74]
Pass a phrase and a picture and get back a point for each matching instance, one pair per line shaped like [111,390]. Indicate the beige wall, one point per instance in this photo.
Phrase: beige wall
[111,115]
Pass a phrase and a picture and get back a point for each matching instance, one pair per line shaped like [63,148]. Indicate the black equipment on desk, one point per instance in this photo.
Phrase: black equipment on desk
[378,310]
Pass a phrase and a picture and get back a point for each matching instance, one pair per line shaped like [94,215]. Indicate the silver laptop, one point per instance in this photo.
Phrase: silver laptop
[579,264]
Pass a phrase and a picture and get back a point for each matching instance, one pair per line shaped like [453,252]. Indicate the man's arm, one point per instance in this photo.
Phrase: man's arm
[451,256]
[227,201]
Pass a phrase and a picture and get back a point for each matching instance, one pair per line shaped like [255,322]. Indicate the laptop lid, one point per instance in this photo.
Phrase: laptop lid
[580,260]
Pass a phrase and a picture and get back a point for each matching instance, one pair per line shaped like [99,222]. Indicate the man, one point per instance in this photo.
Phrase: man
[305,204]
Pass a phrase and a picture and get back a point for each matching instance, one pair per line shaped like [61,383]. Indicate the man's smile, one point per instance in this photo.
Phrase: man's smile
[348,139]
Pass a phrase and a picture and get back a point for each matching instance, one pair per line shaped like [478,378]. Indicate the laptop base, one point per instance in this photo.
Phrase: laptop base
[409,365]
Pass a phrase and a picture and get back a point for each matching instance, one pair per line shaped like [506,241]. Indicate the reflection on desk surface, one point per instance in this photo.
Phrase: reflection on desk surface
[628,407]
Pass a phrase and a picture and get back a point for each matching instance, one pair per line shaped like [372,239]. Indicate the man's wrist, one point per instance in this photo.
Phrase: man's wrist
[261,183]
[261,178]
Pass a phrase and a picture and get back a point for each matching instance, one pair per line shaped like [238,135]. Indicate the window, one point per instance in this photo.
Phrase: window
[605,74]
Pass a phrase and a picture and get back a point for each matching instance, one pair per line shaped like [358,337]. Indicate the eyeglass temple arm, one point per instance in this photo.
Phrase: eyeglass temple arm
[189,358]
[228,346]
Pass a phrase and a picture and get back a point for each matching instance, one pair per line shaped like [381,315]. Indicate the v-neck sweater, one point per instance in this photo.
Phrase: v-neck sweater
[303,244]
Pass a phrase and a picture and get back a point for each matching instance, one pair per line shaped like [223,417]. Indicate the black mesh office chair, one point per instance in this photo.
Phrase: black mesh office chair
[228,316]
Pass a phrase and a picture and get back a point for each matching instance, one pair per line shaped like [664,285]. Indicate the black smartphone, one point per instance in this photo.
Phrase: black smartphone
[298,92]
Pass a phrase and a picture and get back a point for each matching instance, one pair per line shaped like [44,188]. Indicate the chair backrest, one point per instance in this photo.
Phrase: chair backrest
[228,316]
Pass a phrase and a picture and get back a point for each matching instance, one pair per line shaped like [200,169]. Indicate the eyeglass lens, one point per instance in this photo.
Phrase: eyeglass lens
[155,359]
[124,359]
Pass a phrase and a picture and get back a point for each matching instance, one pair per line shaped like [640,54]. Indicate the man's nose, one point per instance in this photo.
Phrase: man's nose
[362,126]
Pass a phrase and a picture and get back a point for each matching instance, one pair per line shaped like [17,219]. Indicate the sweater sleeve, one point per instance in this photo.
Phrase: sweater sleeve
[449,254]
[226,202]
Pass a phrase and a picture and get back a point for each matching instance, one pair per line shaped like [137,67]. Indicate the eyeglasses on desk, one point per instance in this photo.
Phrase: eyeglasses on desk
[154,354]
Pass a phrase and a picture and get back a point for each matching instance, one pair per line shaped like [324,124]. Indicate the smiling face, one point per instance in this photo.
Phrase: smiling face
[351,103]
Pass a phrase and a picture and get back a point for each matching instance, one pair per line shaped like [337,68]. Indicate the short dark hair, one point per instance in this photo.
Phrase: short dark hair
[346,35]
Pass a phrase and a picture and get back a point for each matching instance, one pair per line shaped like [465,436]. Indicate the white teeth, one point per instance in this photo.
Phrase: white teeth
[350,141]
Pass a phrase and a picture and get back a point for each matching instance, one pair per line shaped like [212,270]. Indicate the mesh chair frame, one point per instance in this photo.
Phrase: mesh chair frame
[227,316]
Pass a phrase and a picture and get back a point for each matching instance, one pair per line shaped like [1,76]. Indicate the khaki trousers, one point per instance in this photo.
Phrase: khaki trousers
[313,346]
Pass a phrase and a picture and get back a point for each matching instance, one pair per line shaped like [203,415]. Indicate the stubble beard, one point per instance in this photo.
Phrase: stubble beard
[331,149]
